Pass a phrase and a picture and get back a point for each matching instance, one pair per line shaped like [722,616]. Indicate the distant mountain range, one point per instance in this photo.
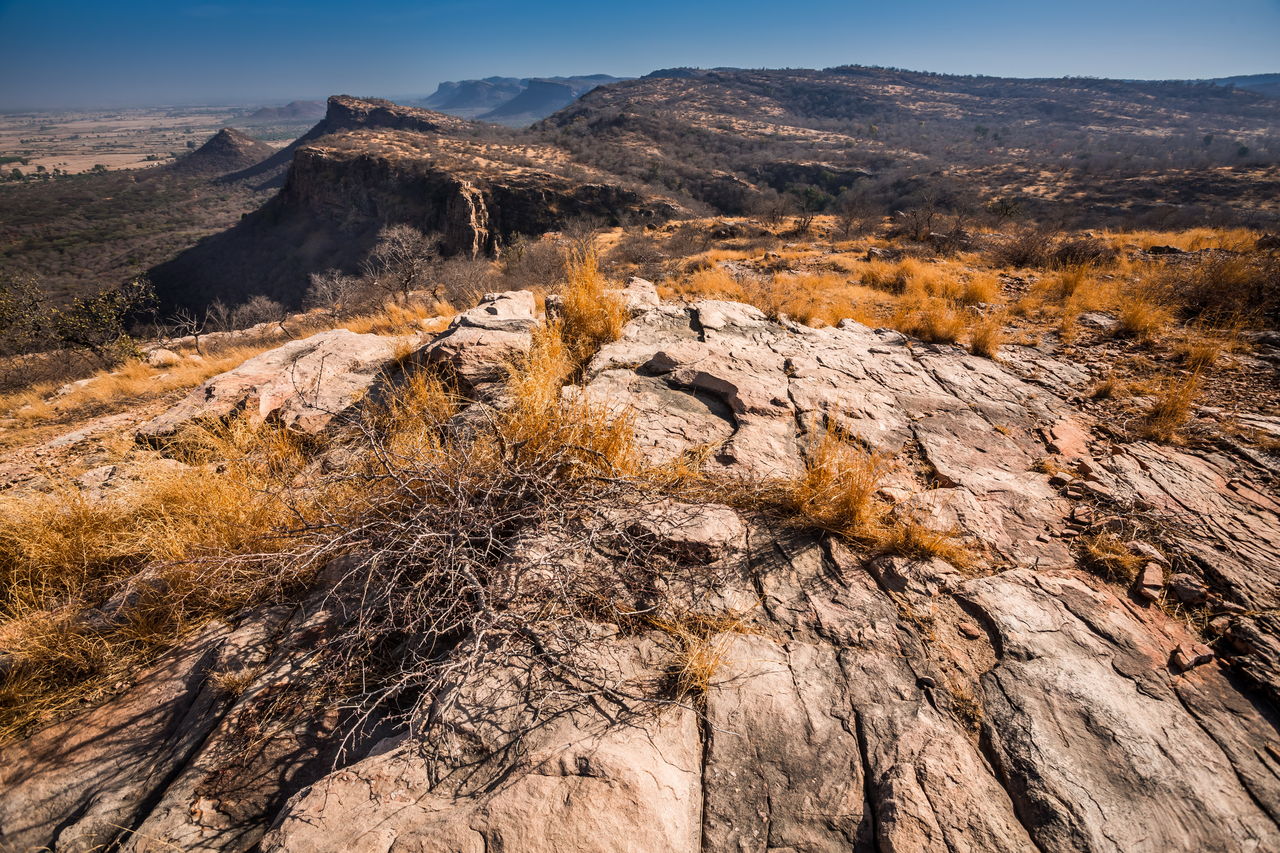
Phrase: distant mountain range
[510,100]
[1263,84]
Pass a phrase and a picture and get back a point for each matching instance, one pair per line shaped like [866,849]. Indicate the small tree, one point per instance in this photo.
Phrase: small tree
[100,323]
[400,261]
[258,309]
[335,293]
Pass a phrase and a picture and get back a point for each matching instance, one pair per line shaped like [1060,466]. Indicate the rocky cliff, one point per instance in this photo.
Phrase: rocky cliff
[856,700]
[373,163]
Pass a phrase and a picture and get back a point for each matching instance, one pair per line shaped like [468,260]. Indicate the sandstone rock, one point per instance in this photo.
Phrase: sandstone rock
[302,385]
[1150,582]
[481,343]
[1080,716]
[583,783]
[720,375]
[76,786]
[1097,320]
[1189,655]
[161,357]
[1188,589]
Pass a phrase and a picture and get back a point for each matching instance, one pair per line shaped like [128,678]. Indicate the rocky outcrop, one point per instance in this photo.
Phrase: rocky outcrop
[372,163]
[481,344]
[228,150]
[302,385]
[857,700]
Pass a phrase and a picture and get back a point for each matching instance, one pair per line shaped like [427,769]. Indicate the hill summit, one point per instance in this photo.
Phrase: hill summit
[228,150]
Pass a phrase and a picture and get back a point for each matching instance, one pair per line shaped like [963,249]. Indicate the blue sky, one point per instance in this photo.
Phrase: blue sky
[86,52]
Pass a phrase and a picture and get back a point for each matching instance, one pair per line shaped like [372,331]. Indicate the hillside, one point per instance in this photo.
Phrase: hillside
[84,233]
[721,136]
[229,150]
[372,163]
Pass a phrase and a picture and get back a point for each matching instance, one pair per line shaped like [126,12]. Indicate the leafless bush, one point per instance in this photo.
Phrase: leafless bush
[1080,251]
[259,309]
[489,556]
[461,282]
[400,261]
[1028,247]
[528,263]
[337,293]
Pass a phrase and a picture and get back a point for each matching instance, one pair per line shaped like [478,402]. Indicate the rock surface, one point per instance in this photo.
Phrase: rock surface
[859,702]
[302,385]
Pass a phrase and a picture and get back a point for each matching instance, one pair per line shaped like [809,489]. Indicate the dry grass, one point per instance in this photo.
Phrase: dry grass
[929,318]
[161,545]
[837,490]
[816,300]
[591,315]
[1107,556]
[837,493]
[1144,317]
[132,383]
[397,319]
[986,336]
[702,642]
[1171,410]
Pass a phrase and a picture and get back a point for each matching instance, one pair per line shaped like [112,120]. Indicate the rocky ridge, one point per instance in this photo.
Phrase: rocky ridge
[865,702]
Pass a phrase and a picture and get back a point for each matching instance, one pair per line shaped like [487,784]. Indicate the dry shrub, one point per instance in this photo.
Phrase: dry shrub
[1143,316]
[929,318]
[1171,409]
[837,490]
[1108,557]
[1028,247]
[910,538]
[591,315]
[986,336]
[1224,289]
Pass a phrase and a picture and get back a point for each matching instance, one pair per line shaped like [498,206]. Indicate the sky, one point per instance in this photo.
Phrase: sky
[68,53]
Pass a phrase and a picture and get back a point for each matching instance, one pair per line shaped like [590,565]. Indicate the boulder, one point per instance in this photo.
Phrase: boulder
[481,343]
[302,385]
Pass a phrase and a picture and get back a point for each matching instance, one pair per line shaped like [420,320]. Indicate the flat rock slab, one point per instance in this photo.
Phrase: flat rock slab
[302,385]
[718,378]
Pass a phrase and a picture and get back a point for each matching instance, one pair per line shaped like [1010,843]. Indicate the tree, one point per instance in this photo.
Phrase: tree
[100,323]
[400,260]
[334,292]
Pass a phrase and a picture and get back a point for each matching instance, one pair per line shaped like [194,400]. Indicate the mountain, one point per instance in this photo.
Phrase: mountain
[539,99]
[229,150]
[509,100]
[292,111]
[722,137]
[372,163]
[471,98]
[1263,84]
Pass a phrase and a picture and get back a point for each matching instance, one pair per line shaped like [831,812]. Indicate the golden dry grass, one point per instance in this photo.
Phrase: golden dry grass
[1171,409]
[591,315]
[165,539]
[702,641]
[1107,555]
[986,336]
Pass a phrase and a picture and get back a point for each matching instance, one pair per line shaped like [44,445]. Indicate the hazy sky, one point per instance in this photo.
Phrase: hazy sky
[86,52]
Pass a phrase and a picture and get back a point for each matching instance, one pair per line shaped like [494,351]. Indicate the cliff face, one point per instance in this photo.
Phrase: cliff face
[371,164]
